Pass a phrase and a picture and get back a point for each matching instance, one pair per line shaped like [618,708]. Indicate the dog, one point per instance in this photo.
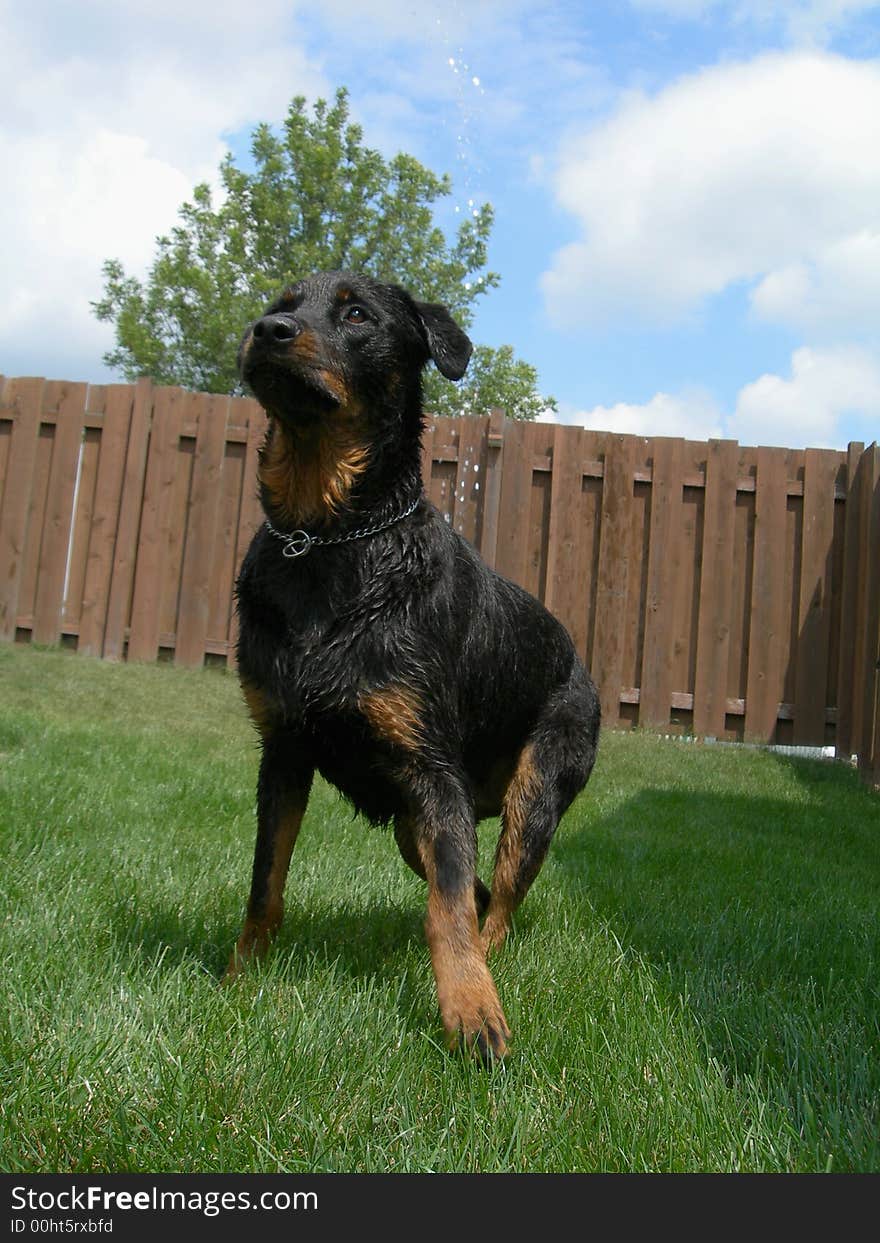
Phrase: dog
[376,647]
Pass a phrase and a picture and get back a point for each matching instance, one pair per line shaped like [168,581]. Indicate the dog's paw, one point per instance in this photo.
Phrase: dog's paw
[493,934]
[252,945]
[474,1021]
[489,1043]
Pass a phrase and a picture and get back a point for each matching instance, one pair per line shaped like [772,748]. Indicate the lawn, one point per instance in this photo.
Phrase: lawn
[692,983]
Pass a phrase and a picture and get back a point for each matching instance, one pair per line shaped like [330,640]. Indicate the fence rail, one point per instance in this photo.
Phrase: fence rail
[716,589]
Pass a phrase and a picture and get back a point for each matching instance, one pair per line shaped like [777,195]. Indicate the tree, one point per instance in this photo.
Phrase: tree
[493,378]
[317,198]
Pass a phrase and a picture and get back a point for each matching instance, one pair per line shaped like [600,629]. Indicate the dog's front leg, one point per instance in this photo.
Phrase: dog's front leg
[282,794]
[445,835]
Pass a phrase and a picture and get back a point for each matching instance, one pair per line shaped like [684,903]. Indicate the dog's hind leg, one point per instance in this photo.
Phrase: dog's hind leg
[282,795]
[406,844]
[552,768]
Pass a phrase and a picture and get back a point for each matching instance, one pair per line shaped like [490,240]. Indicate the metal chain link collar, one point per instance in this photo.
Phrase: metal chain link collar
[298,543]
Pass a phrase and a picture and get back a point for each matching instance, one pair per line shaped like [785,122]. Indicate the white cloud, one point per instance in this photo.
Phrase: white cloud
[735,174]
[804,21]
[110,117]
[692,414]
[806,409]
[838,289]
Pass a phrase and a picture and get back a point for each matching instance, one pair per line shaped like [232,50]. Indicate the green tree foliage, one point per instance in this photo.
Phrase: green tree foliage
[317,198]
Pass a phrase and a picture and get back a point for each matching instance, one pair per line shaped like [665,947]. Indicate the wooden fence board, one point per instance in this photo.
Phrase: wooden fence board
[442,479]
[23,399]
[791,566]
[427,455]
[5,433]
[637,593]
[562,595]
[538,445]
[175,525]
[201,522]
[55,541]
[221,585]
[162,462]
[713,636]
[853,588]
[512,547]
[105,519]
[687,601]
[84,508]
[742,575]
[814,618]
[470,476]
[766,672]
[83,513]
[126,545]
[250,513]
[492,487]
[869,743]
[36,520]
[664,569]
[612,586]
[835,596]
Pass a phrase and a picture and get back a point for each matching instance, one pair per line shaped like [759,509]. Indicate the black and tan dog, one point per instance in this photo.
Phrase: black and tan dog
[378,649]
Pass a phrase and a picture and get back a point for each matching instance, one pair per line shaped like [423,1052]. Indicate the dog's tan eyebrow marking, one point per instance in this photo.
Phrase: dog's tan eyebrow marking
[344,294]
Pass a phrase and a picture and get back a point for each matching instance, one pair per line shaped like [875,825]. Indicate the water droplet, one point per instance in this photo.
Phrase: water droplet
[476,81]
[451,60]
[476,465]
[476,487]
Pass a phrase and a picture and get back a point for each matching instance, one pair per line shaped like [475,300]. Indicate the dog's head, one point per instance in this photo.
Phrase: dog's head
[340,342]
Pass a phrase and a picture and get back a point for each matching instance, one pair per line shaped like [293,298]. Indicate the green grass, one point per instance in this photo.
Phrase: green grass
[692,983]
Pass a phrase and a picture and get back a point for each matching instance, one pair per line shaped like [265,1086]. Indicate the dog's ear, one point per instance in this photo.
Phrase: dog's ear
[449,347]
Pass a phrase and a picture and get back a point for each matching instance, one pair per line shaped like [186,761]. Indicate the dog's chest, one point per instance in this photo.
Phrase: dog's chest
[311,650]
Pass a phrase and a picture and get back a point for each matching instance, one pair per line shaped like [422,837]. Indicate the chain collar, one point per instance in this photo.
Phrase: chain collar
[298,543]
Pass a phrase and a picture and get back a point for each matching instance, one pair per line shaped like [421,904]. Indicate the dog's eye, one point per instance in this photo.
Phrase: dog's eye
[354,315]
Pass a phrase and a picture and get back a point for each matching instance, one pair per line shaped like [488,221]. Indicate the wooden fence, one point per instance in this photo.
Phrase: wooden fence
[724,591]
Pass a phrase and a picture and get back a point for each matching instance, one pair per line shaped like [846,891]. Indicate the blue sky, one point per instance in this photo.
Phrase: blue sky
[687,192]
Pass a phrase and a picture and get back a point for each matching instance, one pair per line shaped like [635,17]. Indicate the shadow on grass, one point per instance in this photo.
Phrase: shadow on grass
[763,915]
[371,940]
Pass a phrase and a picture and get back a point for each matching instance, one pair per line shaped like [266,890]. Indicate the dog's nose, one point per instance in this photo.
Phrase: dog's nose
[273,329]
